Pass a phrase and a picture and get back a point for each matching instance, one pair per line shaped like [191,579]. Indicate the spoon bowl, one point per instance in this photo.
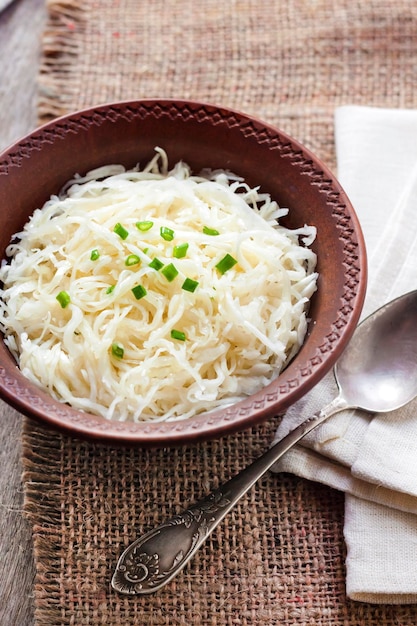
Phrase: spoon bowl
[377,372]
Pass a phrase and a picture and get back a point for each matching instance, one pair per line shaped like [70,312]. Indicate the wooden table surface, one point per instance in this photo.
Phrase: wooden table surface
[21,25]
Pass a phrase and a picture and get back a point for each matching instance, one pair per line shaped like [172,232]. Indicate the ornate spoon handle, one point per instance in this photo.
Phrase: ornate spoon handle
[154,559]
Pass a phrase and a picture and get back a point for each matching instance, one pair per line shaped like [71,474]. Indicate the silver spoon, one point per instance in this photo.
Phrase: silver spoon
[377,373]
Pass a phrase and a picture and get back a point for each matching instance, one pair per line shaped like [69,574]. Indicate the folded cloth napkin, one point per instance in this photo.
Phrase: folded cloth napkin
[373,459]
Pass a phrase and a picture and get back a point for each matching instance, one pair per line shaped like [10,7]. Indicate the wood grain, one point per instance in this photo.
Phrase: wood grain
[21,24]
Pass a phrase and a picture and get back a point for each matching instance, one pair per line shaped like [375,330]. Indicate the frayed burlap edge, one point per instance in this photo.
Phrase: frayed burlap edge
[61,45]
[41,506]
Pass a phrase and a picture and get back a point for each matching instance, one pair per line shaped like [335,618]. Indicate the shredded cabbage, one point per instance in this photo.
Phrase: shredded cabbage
[241,327]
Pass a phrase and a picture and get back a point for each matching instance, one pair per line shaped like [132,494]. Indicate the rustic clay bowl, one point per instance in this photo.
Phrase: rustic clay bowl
[204,136]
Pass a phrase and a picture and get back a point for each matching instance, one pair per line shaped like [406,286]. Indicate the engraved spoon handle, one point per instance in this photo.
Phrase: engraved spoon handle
[154,559]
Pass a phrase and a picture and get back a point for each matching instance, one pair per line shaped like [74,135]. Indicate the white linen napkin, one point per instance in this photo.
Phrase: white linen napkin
[373,459]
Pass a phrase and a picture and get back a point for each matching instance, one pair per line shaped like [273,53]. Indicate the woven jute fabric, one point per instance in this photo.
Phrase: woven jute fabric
[278,557]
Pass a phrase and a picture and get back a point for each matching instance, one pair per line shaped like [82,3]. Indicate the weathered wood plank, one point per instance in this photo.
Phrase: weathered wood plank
[21,24]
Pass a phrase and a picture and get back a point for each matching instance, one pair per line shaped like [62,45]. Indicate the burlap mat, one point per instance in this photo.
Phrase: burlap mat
[278,558]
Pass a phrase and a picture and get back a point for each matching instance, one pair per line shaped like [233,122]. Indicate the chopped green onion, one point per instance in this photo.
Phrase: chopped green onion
[167,233]
[121,231]
[170,272]
[144,226]
[110,289]
[156,264]
[63,298]
[178,334]
[139,292]
[226,263]
[210,231]
[117,350]
[181,250]
[132,259]
[145,250]
[95,254]
[189,285]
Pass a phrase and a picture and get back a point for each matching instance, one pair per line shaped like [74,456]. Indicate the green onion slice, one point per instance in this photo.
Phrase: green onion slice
[225,264]
[170,272]
[95,254]
[180,250]
[144,226]
[63,298]
[132,259]
[110,289]
[156,264]
[210,231]
[121,231]
[139,292]
[178,334]
[117,350]
[189,285]
[167,233]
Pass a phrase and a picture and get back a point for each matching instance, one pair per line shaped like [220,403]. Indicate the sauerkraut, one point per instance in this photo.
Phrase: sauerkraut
[156,294]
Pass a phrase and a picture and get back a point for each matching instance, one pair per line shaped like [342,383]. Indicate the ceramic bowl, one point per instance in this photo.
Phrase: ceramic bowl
[205,136]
